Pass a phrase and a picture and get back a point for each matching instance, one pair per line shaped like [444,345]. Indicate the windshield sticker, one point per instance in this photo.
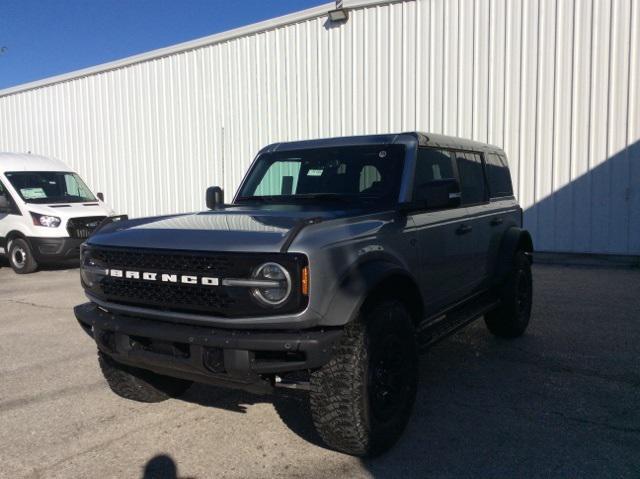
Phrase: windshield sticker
[382,154]
[314,173]
[32,193]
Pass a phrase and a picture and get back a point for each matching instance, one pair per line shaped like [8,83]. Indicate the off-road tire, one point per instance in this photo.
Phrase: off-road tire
[21,257]
[511,318]
[343,397]
[138,384]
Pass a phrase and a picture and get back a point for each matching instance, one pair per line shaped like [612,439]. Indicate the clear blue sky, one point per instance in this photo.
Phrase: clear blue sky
[48,37]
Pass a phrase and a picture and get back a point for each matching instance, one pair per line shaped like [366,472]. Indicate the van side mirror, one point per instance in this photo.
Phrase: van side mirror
[4,204]
[215,197]
[100,196]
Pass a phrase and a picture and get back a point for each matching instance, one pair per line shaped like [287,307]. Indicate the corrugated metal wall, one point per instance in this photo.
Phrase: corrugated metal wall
[556,83]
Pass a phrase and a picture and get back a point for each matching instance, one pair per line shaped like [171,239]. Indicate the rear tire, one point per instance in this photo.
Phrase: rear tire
[511,318]
[361,400]
[139,384]
[21,257]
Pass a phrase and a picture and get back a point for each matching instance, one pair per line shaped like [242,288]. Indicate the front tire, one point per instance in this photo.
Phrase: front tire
[362,399]
[139,384]
[511,318]
[21,257]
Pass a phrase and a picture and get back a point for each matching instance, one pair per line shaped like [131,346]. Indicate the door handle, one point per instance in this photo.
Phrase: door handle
[464,229]
[496,221]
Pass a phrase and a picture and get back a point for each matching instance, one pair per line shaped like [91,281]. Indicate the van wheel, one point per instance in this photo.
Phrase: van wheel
[361,400]
[139,384]
[511,318]
[21,258]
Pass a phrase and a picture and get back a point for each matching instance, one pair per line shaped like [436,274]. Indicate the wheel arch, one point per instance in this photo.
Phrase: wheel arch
[513,240]
[370,282]
[13,235]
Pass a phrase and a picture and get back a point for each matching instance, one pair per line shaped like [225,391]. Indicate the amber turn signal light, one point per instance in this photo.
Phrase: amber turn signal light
[304,281]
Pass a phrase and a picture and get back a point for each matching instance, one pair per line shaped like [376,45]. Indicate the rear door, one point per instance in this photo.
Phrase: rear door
[475,200]
[503,211]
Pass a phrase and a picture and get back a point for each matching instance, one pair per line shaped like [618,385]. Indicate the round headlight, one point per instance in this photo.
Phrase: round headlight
[278,294]
[91,270]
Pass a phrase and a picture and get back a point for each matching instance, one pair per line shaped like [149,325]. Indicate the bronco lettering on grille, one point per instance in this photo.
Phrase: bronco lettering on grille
[163,277]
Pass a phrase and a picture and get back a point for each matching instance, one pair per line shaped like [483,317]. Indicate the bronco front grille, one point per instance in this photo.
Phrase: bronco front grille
[81,228]
[223,301]
[179,296]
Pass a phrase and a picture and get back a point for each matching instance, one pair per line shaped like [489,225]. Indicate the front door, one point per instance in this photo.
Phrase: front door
[8,218]
[443,240]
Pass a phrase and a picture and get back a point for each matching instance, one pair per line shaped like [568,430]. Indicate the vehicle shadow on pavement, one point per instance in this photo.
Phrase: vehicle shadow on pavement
[291,406]
[497,408]
[4,263]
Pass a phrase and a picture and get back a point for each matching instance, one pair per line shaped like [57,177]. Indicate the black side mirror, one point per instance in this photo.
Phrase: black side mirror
[434,195]
[215,197]
[440,194]
[100,196]
[4,204]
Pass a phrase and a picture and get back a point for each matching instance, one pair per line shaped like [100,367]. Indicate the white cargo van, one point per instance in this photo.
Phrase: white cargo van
[46,211]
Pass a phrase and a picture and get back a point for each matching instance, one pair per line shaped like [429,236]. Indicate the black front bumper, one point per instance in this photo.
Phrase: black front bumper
[55,249]
[237,359]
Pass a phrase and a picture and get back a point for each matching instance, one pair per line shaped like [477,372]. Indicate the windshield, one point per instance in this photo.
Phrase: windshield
[50,187]
[354,175]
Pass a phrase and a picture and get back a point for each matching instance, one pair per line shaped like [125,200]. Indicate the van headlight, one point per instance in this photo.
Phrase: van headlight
[280,288]
[45,220]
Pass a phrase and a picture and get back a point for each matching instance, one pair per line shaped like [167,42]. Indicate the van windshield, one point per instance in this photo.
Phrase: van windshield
[350,176]
[50,187]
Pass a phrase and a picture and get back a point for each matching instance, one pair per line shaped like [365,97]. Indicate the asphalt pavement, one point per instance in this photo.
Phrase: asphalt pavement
[562,401]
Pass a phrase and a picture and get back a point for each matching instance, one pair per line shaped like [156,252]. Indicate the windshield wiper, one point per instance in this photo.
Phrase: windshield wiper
[260,199]
[325,196]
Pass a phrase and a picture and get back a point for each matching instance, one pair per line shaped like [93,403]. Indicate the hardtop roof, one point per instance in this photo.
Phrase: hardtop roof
[424,139]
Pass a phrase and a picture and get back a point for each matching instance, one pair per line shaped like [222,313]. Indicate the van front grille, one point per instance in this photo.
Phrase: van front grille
[81,228]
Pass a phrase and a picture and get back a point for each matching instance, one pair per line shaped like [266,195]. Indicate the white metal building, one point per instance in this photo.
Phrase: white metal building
[556,83]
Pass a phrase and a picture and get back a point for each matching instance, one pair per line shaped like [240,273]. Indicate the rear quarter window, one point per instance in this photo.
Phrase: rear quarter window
[498,176]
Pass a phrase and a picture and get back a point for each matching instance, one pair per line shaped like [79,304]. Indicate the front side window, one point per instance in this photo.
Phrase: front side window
[12,208]
[431,165]
[353,175]
[472,184]
[50,187]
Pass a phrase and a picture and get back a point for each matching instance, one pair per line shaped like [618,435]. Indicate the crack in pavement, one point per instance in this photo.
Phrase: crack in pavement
[35,305]
[52,395]
[37,472]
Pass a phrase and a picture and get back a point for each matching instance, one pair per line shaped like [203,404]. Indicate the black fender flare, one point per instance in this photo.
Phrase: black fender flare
[360,281]
[513,239]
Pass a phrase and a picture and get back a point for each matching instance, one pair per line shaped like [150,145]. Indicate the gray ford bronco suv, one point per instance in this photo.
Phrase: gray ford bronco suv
[337,262]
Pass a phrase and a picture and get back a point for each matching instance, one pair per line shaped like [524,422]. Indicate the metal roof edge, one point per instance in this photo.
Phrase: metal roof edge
[254,28]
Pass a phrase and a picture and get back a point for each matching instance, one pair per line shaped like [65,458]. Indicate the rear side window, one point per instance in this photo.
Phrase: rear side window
[432,164]
[472,184]
[498,176]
